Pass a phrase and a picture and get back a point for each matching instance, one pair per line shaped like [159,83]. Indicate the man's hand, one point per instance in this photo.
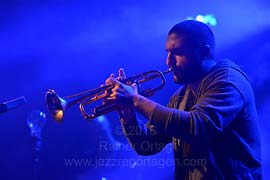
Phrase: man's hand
[122,95]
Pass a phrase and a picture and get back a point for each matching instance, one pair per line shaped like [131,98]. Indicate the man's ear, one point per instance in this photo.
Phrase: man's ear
[205,52]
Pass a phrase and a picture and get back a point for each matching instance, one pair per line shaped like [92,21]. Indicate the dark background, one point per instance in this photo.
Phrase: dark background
[72,46]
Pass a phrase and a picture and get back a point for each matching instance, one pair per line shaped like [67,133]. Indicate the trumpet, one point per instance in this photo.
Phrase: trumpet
[57,105]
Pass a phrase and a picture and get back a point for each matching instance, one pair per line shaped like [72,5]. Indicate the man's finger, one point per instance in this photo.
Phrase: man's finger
[110,81]
[121,73]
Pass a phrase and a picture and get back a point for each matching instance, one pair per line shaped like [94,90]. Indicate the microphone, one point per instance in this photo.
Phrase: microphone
[12,104]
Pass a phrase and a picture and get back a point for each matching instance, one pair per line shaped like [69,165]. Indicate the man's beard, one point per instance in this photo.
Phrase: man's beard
[181,76]
[178,76]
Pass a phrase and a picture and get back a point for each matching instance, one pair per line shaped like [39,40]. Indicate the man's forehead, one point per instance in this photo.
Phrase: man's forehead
[174,41]
[174,36]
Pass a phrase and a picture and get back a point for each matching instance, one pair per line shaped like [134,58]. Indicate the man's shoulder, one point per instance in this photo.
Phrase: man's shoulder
[225,74]
[225,70]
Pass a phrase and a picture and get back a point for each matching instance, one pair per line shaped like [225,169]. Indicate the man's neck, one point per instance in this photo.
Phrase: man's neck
[207,65]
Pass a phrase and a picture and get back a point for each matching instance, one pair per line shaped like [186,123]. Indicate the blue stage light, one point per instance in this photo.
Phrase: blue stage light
[200,18]
[206,19]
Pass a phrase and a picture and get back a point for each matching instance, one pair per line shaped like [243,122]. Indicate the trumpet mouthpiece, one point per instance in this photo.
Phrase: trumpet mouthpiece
[170,69]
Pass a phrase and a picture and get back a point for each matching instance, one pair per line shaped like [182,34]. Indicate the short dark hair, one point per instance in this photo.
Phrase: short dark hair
[197,32]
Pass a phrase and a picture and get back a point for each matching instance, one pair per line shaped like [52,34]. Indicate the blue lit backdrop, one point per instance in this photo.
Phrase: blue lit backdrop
[73,46]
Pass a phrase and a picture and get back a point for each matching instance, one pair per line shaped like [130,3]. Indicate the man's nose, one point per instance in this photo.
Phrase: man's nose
[170,59]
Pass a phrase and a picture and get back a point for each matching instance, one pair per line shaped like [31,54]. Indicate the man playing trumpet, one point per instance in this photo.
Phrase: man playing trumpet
[212,116]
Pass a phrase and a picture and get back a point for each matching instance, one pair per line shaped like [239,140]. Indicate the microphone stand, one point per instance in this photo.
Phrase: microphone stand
[36,120]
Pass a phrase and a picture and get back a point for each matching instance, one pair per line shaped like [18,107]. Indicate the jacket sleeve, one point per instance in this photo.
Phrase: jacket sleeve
[144,138]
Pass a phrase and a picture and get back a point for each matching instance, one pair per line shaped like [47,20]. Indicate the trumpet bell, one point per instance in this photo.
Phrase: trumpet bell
[55,104]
